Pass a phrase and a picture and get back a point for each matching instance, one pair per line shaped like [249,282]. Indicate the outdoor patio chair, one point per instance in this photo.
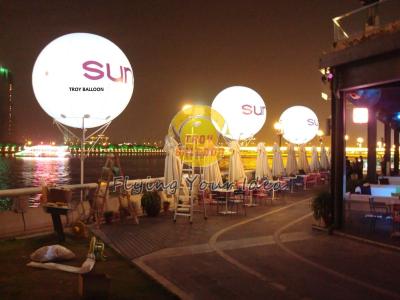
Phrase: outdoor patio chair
[311,180]
[238,199]
[260,194]
[324,177]
[378,210]
[217,199]
[383,181]
[211,200]
[396,220]
[318,178]
[298,183]
[203,200]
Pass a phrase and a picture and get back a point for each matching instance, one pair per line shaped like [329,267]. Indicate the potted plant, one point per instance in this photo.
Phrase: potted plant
[151,203]
[108,216]
[322,206]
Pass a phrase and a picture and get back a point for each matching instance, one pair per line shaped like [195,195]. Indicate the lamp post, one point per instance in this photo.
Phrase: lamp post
[379,144]
[320,134]
[186,106]
[279,132]
[360,140]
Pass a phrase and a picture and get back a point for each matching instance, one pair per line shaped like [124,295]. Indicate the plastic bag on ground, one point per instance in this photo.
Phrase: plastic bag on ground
[52,253]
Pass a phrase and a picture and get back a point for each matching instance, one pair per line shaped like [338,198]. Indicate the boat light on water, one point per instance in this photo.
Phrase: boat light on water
[44,151]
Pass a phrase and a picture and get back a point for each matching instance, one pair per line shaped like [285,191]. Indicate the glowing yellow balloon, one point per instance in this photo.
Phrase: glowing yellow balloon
[194,129]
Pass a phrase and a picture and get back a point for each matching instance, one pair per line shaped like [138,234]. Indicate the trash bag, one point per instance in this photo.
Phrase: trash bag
[52,253]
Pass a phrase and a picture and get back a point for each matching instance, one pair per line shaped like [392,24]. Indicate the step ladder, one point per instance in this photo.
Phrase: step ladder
[185,202]
[184,199]
[111,168]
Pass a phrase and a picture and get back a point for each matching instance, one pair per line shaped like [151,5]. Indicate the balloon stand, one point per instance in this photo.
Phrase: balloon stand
[67,133]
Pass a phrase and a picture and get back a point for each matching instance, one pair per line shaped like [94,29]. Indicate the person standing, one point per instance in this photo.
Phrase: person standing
[348,168]
[360,167]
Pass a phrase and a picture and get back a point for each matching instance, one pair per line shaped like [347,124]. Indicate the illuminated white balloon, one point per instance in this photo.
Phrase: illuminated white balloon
[243,110]
[299,124]
[82,75]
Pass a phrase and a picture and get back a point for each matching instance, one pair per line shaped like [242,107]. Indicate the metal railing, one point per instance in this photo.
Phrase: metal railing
[22,219]
[374,18]
[35,192]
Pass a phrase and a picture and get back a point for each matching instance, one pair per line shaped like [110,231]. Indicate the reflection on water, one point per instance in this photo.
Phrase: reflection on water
[44,169]
[30,171]
[18,172]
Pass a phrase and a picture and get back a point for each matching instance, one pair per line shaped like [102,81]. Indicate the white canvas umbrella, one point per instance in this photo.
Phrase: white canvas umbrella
[303,161]
[212,173]
[210,168]
[328,154]
[277,162]
[236,169]
[262,168]
[314,166]
[173,164]
[324,159]
[291,164]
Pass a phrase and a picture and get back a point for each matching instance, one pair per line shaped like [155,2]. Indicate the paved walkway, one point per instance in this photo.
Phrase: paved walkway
[272,253]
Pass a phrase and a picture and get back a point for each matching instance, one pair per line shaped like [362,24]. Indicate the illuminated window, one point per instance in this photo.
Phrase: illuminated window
[360,115]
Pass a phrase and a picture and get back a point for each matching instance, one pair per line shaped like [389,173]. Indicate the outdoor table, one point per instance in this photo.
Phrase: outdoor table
[55,212]
[226,192]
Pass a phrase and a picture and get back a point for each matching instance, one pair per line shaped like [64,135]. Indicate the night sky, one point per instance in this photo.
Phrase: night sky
[180,51]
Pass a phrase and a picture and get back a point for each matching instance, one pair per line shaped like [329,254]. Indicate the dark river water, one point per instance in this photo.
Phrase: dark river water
[16,172]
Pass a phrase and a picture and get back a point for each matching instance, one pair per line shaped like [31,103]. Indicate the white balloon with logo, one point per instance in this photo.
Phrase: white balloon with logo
[82,75]
[243,110]
[299,124]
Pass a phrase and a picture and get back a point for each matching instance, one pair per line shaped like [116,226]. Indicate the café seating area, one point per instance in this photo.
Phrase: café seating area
[237,199]
[374,208]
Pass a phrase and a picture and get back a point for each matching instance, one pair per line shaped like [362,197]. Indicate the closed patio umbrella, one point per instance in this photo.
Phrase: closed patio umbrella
[236,169]
[211,171]
[315,165]
[324,159]
[303,161]
[277,162]
[328,154]
[262,168]
[291,163]
[173,164]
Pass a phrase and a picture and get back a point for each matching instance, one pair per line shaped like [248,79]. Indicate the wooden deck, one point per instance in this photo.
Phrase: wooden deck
[153,234]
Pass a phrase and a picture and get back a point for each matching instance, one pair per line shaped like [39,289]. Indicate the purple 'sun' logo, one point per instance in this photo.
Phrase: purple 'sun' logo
[248,109]
[94,71]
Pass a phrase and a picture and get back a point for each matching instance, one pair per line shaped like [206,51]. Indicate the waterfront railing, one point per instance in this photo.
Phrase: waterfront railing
[22,219]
